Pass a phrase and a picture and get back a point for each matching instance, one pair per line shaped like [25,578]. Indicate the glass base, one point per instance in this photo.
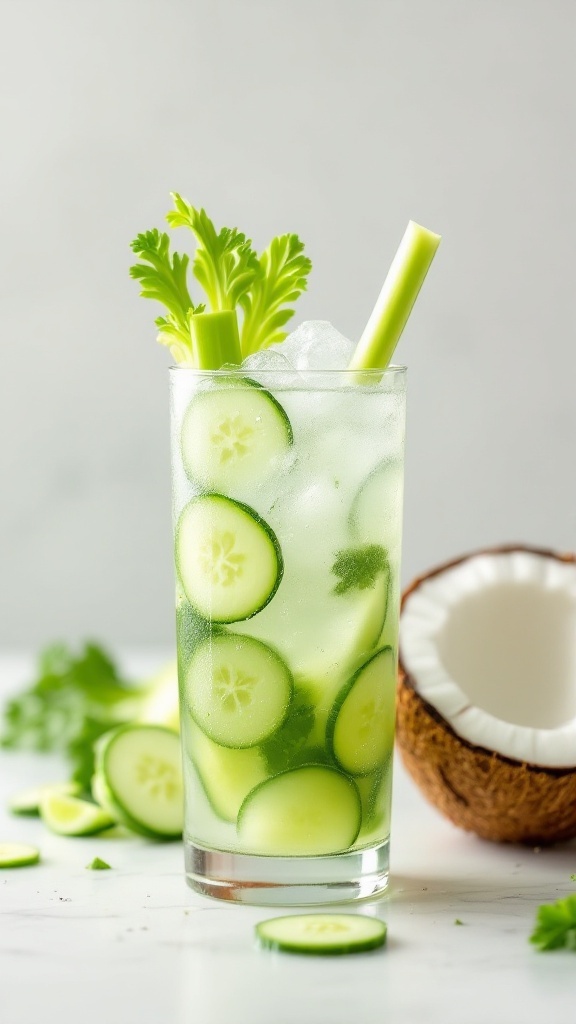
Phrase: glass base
[288,881]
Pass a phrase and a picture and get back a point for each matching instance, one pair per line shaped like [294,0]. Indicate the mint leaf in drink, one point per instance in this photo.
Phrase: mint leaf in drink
[556,925]
[359,568]
[281,279]
[98,865]
[287,747]
[225,263]
[164,278]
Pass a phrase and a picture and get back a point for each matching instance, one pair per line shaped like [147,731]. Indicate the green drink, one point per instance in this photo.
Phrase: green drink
[287,496]
[287,510]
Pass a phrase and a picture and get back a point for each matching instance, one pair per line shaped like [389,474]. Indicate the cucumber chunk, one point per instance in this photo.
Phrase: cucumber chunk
[322,934]
[309,811]
[238,690]
[139,779]
[227,776]
[228,559]
[233,436]
[70,816]
[360,730]
[18,855]
[27,801]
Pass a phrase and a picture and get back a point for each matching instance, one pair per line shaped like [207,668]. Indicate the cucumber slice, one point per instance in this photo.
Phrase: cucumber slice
[360,730]
[69,816]
[139,779]
[309,811]
[18,855]
[27,801]
[322,934]
[375,794]
[233,435]
[376,512]
[238,690]
[227,776]
[228,559]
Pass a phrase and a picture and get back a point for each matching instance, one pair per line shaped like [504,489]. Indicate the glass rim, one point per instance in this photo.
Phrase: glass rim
[392,370]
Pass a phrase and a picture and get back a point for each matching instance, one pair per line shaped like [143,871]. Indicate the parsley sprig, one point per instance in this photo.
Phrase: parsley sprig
[556,925]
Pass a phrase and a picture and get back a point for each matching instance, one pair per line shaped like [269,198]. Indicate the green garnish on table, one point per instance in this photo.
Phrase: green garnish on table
[556,925]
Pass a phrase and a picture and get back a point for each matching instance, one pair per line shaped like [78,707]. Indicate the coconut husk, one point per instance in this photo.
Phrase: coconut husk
[478,789]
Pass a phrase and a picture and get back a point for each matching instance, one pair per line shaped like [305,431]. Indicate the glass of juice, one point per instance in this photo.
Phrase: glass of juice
[287,498]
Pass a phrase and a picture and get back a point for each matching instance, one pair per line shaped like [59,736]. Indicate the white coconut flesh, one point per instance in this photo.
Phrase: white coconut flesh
[490,643]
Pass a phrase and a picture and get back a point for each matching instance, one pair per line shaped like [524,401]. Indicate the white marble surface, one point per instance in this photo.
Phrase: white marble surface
[134,946]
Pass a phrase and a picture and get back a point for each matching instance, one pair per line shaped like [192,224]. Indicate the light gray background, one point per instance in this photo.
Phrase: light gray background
[339,119]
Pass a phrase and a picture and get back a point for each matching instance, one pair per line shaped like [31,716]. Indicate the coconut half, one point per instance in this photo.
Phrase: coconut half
[487,692]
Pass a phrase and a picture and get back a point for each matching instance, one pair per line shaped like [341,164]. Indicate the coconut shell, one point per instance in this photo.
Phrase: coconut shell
[477,789]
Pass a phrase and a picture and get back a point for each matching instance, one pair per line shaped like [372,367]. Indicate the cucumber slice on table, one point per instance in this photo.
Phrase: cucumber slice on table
[226,776]
[322,934]
[360,731]
[233,435]
[139,779]
[69,816]
[228,559]
[27,801]
[238,690]
[309,811]
[18,855]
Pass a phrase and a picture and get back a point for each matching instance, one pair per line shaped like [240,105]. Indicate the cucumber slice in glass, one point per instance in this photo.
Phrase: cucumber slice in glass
[18,855]
[234,435]
[70,816]
[376,512]
[308,811]
[228,559]
[360,731]
[27,801]
[238,690]
[227,776]
[139,779]
[322,934]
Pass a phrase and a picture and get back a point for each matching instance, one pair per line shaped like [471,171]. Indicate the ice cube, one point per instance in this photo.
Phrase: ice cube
[316,345]
[270,368]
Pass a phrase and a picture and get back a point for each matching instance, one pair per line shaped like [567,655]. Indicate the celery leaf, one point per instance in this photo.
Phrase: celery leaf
[164,278]
[224,263]
[283,269]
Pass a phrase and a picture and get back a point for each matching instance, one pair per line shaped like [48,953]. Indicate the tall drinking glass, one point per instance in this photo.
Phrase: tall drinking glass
[287,496]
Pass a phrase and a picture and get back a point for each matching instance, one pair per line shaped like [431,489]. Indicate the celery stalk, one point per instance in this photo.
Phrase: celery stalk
[215,339]
[399,293]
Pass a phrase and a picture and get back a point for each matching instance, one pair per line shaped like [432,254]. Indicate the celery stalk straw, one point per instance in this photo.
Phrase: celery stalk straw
[399,293]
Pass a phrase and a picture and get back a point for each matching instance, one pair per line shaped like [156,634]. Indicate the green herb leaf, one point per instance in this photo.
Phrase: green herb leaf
[225,263]
[98,865]
[281,278]
[556,925]
[287,748]
[573,878]
[458,921]
[164,278]
[73,700]
[359,568]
